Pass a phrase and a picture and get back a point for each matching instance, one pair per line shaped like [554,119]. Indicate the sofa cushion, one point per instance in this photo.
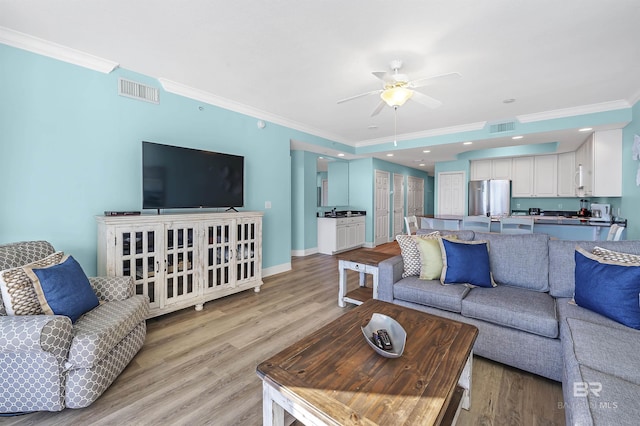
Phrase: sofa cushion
[611,400]
[466,262]
[63,289]
[525,310]
[562,262]
[609,288]
[410,253]
[99,330]
[18,293]
[596,345]
[430,293]
[519,260]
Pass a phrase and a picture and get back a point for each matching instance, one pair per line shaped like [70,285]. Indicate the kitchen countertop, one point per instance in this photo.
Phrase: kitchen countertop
[548,220]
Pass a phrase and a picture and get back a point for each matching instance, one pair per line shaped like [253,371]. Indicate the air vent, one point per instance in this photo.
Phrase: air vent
[139,91]
[508,126]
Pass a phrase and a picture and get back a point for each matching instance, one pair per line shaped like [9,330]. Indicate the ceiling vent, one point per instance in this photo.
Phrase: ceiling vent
[139,91]
[508,126]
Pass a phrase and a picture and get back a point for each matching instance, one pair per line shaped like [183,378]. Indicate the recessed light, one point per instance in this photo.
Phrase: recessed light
[517,137]
[467,143]
[426,151]
[389,155]
[341,155]
[421,164]
[321,158]
[372,127]
[509,101]
[585,129]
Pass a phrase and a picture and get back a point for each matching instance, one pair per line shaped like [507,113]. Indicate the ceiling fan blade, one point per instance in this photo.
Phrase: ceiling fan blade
[382,75]
[373,92]
[425,100]
[378,109]
[434,79]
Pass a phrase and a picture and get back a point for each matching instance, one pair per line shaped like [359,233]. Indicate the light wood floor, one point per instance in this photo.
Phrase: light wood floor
[199,367]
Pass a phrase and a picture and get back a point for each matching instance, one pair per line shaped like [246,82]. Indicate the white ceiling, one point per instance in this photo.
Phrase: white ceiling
[294,59]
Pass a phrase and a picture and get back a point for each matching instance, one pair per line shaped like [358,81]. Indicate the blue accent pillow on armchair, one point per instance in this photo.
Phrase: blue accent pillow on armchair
[63,289]
[609,288]
[466,262]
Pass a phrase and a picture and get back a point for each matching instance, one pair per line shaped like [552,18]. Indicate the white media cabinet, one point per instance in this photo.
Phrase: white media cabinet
[182,260]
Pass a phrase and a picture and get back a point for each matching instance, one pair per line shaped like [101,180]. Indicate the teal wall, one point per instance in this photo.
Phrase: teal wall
[71,149]
[304,179]
[630,203]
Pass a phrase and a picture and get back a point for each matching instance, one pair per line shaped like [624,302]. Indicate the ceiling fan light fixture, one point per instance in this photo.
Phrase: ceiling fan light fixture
[396,96]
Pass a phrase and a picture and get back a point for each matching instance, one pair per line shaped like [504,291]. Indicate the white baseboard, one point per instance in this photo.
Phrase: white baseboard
[369,245]
[272,270]
[305,252]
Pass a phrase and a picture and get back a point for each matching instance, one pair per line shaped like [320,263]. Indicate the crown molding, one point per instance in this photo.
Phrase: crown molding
[208,98]
[55,51]
[571,112]
[635,98]
[426,134]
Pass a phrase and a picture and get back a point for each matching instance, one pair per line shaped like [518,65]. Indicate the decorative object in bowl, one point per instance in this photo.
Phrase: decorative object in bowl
[396,333]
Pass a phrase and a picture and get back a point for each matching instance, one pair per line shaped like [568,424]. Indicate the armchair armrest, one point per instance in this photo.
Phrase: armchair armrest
[389,272]
[29,333]
[109,289]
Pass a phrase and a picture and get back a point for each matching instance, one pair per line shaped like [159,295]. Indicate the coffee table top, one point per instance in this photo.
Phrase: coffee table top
[338,376]
[367,257]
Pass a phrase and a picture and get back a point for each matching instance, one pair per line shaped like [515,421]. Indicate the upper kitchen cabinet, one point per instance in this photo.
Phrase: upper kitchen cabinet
[601,159]
[499,168]
[522,177]
[338,179]
[567,179]
[545,176]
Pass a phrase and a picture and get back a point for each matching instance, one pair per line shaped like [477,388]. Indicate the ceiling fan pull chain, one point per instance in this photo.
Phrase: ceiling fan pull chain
[395,125]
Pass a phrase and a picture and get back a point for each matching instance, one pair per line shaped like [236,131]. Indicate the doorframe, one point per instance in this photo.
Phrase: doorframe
[375,205]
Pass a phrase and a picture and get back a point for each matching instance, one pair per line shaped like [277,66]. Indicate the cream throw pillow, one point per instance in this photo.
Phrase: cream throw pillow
[411,254]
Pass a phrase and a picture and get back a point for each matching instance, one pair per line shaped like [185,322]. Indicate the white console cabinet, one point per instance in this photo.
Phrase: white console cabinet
[182,260]
[340,234]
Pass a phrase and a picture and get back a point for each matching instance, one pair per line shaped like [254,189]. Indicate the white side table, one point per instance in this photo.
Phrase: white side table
[364,262]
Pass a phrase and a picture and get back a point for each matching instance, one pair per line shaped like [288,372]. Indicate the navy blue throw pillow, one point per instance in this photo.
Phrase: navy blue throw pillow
[611,289]
[466,263]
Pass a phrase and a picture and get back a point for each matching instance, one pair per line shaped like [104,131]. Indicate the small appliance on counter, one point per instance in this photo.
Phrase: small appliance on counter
[600,212]
[534,211]
[584,211]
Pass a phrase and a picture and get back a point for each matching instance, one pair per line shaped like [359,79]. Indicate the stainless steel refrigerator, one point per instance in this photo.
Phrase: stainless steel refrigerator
[489,197]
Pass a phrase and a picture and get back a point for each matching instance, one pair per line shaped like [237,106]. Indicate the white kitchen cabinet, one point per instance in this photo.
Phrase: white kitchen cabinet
[607,163]
[481,169]
[545,176]
[498,168]
[567,178]
[501,168]
[340,234]
[182,260]
[522,177]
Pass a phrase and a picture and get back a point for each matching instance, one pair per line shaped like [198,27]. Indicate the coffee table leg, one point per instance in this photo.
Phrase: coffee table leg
[272,412]
[465,383]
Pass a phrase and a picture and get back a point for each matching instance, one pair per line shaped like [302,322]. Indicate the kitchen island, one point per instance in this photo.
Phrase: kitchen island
[560,227]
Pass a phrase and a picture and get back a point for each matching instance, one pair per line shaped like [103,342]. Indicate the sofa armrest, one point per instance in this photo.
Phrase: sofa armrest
[29,333]
[109,289]
[389,272]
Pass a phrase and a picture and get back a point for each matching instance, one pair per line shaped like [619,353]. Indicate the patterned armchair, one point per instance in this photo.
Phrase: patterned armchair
[46,362]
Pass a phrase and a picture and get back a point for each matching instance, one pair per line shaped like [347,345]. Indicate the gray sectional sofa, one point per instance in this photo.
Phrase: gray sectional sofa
[529,322]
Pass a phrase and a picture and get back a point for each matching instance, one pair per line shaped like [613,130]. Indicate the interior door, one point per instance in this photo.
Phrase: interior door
[381,202]
[398,204]
[451,193]
[415,196]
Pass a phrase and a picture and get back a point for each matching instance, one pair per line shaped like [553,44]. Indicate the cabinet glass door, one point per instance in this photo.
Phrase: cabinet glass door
[180,279]
[247,249]
[137,250]
[219,252]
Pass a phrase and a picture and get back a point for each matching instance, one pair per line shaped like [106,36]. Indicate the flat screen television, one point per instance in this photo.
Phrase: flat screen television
[177,177]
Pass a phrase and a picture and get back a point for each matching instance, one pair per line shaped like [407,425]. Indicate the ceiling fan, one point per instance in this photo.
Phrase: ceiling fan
[398,89]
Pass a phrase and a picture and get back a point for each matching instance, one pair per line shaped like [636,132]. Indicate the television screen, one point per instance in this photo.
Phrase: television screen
[177,177]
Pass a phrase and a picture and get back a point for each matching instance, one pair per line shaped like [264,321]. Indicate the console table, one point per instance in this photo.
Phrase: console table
[364,262]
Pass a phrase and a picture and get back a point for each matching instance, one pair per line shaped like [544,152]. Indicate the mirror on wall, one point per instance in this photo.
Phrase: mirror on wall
[332,182]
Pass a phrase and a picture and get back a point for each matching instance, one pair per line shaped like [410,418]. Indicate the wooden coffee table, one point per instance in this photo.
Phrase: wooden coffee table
[333,377]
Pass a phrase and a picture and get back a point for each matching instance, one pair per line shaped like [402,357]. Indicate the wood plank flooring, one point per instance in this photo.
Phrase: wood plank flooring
[198,368]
